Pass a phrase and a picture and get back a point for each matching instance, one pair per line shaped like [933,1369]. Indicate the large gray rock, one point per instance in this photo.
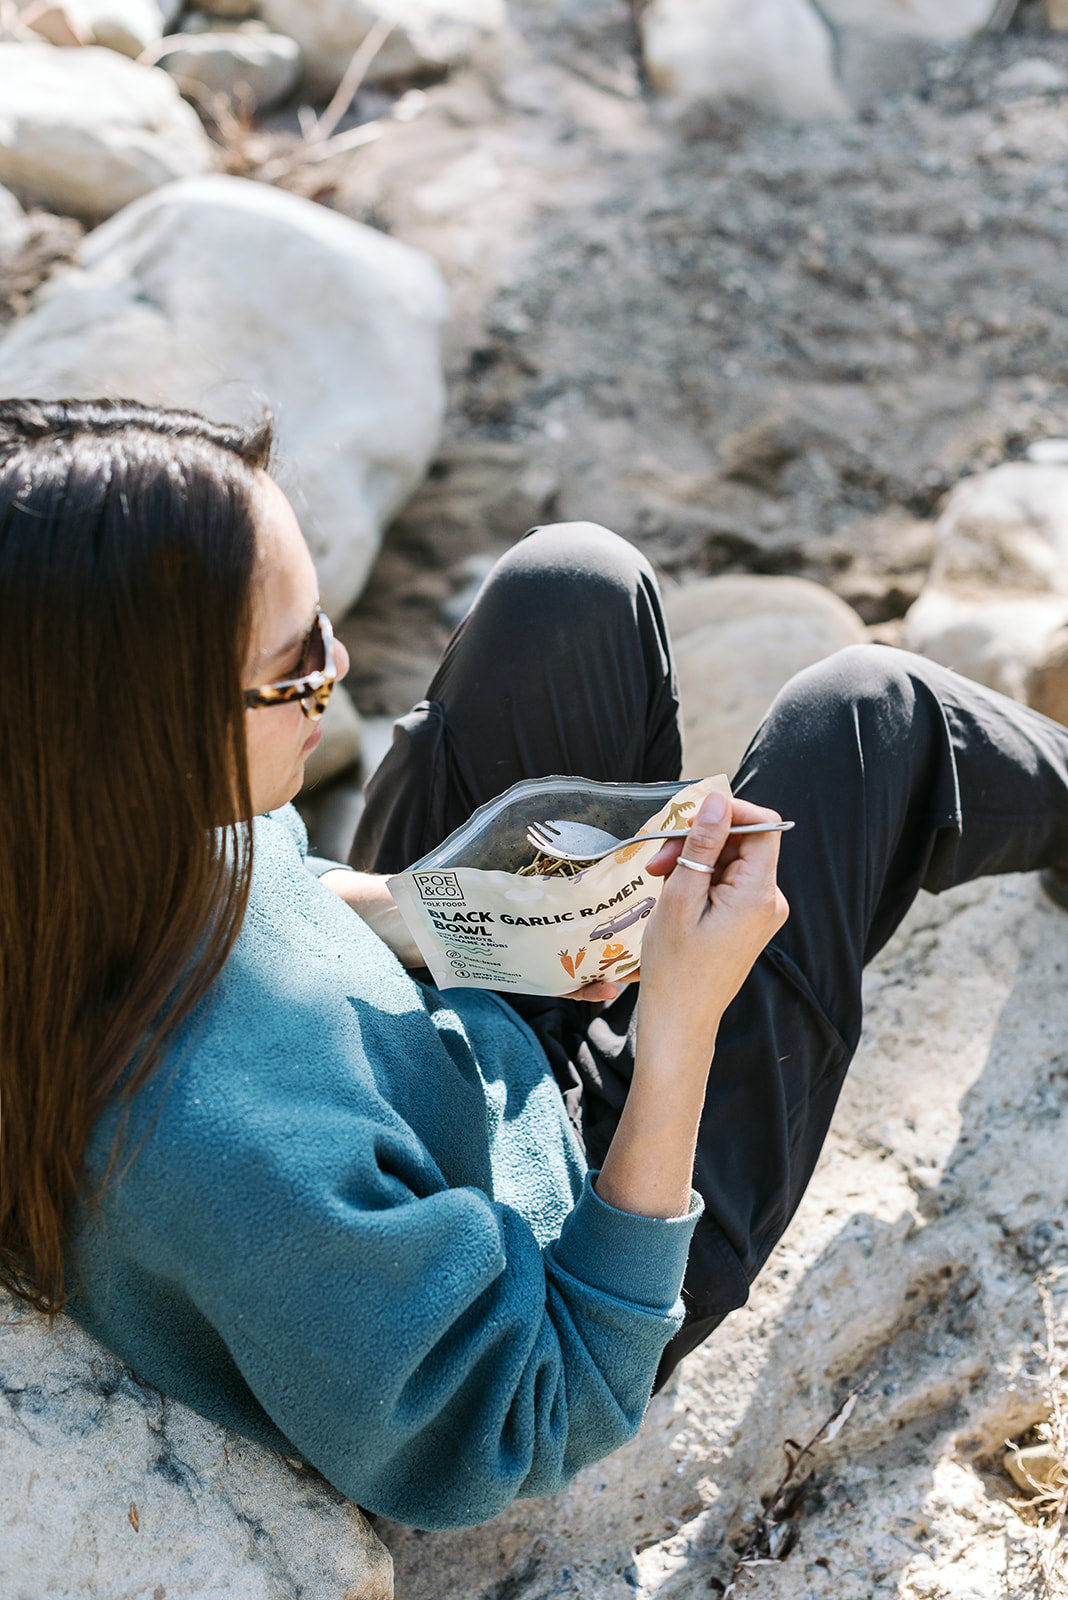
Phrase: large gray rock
[998,585]
[776,55]
[737,641]
[107,1489]
[255,70]
[226,295]
[428,35]
[85,132]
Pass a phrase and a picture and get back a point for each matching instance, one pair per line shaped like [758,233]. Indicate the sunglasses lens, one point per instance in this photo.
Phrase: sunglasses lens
[314,659]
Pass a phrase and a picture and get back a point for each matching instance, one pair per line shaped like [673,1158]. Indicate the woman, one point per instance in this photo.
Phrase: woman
[294,1188]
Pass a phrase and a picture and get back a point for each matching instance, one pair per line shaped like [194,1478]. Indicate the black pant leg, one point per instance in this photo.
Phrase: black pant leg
[562,665]
[900,775]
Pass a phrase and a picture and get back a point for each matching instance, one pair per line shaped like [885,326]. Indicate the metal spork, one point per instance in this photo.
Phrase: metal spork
[577,841]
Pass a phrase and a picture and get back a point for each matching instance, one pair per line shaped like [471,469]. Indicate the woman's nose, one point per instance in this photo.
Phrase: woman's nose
[341,658]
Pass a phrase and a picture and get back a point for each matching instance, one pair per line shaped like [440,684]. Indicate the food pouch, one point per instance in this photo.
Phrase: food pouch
[480,925]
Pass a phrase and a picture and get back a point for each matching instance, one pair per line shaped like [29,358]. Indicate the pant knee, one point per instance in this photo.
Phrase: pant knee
[577,571]
[859,675]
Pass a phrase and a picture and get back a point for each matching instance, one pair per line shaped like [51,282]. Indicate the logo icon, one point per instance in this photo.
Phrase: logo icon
[439,888]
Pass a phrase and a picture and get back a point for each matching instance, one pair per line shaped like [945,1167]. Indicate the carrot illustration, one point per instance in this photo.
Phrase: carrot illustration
[579,954]
[567,963]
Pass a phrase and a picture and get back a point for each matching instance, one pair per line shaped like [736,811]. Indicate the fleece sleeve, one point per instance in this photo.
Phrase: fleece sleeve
[413,1341]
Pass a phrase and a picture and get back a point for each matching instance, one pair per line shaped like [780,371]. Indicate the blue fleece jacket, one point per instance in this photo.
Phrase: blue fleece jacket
[350,1220]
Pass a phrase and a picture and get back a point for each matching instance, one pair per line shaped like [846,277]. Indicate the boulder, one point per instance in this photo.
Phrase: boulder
[108,1488]
[998,585]
[774,55]
[127,26]
[227,295]
[737,641]
[255,70]
[428,36]
[923,19]
[85,132]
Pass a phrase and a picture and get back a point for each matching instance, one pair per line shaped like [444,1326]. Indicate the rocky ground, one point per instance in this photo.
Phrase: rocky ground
[748,347]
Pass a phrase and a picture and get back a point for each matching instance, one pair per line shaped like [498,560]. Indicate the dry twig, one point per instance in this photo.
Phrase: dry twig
[775,1532]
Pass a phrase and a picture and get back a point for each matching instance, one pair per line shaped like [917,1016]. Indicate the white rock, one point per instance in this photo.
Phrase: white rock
[13,225]
[925,19]
[341,742]
[776,55]
[128,26]
[86,132]
[998,585]
[1048,452]
[737,640]
[222,294]
[1035,73]
[428,35]
[107,1488]
[257,70]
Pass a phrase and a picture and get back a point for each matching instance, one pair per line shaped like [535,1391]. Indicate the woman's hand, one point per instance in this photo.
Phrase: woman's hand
[701,942]
[709,927]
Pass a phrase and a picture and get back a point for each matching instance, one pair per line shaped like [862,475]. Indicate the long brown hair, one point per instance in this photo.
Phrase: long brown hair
[127,548]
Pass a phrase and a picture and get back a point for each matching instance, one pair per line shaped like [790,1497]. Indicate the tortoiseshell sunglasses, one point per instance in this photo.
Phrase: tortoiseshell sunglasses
[318,674]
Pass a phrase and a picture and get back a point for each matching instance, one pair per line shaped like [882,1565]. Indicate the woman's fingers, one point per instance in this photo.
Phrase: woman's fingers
[597,993]
[710,841]
[702,845]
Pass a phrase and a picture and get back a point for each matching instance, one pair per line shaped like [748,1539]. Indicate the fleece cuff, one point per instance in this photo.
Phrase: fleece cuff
[640,1259]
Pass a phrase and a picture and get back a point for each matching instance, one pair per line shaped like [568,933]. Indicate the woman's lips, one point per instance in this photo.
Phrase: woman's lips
[312,740]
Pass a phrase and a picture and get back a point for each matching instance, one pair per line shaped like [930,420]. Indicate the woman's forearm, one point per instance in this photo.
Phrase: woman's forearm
[648,1169]
[708,928]
[368,895]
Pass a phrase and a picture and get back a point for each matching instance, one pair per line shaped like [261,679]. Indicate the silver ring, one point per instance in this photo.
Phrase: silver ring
[694,866]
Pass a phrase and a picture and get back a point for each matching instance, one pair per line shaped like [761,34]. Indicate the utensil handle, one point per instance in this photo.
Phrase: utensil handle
[762,827]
